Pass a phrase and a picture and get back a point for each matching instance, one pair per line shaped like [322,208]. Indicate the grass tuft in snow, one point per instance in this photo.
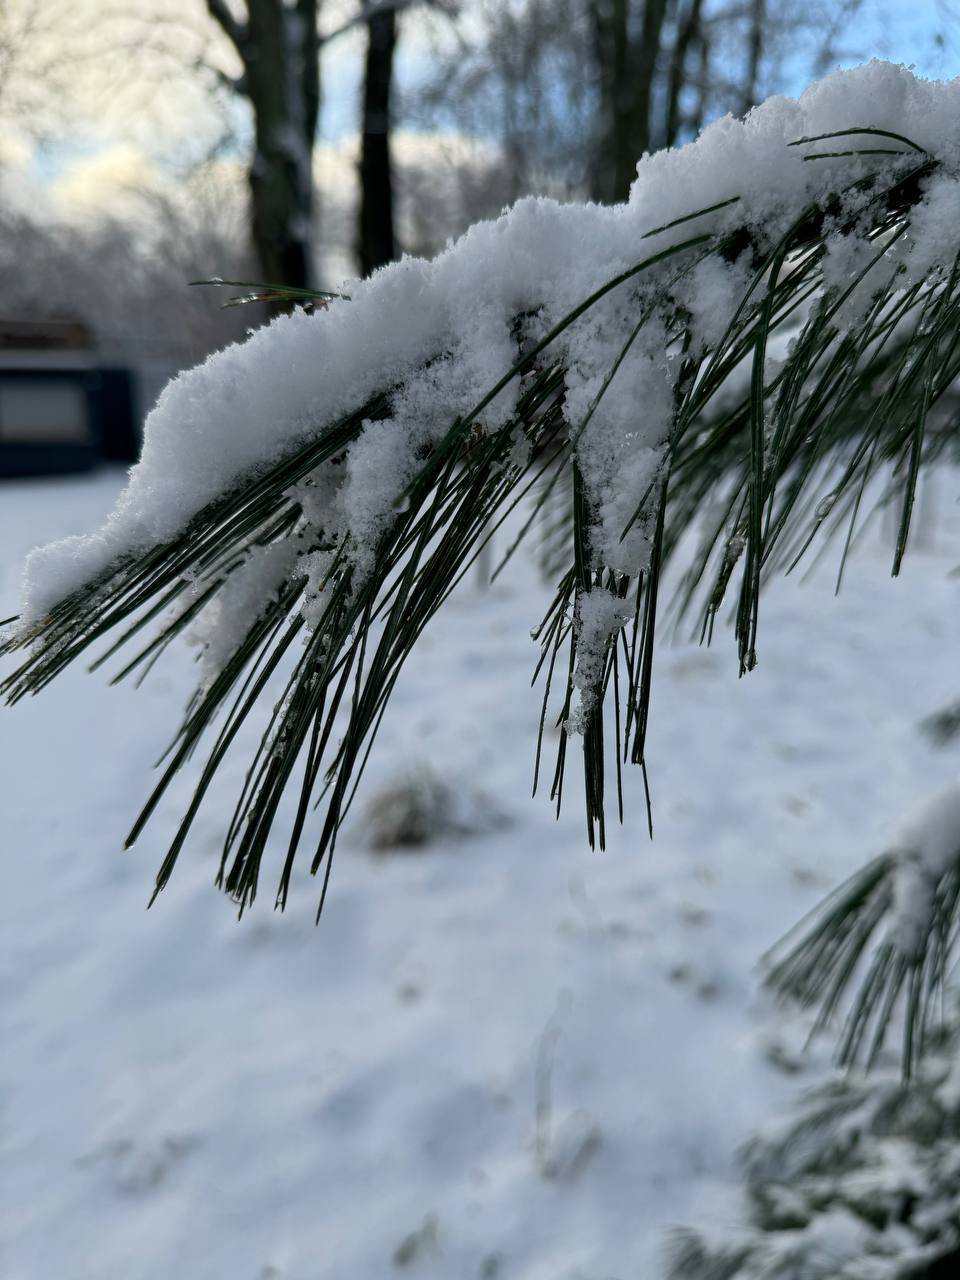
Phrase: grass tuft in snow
[420,808]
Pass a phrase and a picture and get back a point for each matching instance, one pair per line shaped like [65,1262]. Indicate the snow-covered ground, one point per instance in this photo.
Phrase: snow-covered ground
[501,1057]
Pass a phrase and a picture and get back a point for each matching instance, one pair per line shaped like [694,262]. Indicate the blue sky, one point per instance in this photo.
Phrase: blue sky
[906,31]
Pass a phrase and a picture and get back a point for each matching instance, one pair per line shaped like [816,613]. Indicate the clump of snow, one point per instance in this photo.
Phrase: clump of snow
[705,292]
[929,245]
[846,272]
[600,615]
[622,441]
[439,335]
[225,621]
[927,847]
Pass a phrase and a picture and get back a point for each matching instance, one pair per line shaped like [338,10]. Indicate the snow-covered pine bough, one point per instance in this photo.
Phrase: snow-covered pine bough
[767,327]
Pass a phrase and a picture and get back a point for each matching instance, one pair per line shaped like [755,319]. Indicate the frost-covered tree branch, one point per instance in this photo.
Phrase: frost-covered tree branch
[903,909]
[860,1180]
[769,323]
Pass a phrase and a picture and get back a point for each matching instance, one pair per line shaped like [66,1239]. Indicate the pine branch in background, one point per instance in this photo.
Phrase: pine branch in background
[889,935]
[281,294]
[858,1179]
[943,727]
[828,358]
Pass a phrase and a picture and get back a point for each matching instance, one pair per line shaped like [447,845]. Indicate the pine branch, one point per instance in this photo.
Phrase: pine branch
[860,388]
[883,943]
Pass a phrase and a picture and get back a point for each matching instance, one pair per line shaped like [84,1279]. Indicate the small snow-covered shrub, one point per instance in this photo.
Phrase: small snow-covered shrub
[419,809]
[943,726]
[862,1182]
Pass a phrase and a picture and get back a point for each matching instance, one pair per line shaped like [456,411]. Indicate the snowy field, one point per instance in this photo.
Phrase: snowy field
[501,1057]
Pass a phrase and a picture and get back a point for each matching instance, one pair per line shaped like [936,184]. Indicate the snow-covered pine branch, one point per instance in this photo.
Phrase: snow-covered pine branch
[774,310]
[860,1180]
[908,900]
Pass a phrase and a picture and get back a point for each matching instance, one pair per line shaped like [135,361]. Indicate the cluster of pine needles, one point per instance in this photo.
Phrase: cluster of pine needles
[762,455]
[817,963]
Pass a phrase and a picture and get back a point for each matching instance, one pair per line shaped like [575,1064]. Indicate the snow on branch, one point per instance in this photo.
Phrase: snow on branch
[909,899]
[780,295]
[859,1179]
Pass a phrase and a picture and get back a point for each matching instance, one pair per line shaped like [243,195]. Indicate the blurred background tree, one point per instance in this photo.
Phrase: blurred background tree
[300,142]
[574,91]
[278,46]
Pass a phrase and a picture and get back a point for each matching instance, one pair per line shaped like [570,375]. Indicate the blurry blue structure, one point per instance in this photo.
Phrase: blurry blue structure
[61,408]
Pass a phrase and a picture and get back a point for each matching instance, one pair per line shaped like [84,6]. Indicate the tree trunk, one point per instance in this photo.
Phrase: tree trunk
[699,114]
[627,67]
[758,18]
[610,50]
[377,244]
[688,30]
[279,47]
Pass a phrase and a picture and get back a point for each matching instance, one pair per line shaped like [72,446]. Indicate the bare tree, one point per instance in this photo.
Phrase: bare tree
[519,77]
[688,44]
[125,276]
[377,240]
[278,45]
[34,66]
[627,52]
[574,91]
[755,37]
